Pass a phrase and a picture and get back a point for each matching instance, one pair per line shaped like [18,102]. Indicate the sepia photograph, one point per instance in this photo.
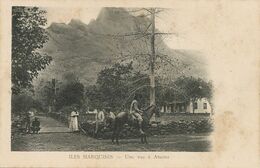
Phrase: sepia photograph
[118,83]
[107,79]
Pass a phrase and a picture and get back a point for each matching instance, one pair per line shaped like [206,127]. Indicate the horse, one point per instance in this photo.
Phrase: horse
[123,118]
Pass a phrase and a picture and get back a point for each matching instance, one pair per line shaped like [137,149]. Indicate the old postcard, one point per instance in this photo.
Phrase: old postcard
[129,83]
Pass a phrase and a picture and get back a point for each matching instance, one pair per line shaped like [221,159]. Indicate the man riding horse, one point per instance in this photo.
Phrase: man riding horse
[136,118]
[135,112]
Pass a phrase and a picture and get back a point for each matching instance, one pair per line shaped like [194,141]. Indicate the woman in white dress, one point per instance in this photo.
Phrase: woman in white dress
[74,120]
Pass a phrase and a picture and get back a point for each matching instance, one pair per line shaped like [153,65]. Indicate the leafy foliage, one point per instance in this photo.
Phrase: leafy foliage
[70,94]
[94,97]
[28,36]
[116,86]
[195,88]
[184,89]
[45,92]
[58,94]
[24,102]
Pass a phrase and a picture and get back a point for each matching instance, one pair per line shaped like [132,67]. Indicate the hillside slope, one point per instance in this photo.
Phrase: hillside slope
[85,49]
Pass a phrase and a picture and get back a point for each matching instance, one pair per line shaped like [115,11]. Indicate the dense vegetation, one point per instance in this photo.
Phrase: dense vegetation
[115,87]
[28,36]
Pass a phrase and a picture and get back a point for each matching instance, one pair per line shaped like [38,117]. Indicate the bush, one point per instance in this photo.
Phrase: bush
[23,103]
[69,94]
[18,125]
[174,127]
[20,104]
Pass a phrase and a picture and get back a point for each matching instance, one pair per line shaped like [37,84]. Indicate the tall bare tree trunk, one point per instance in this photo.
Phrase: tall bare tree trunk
[152,60]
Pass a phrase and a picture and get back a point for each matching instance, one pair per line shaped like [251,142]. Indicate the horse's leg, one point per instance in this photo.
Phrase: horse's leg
[140,123]
[145,140]
[113,136]
[114,127]
[115,132]
[142,138]
[117,136]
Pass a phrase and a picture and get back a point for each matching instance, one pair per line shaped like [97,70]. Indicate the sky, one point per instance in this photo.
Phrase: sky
[167,21]
[64,15]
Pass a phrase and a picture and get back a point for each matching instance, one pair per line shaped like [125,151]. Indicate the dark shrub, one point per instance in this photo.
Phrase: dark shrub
[175,127]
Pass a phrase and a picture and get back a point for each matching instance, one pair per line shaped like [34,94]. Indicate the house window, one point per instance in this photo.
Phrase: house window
[195,105]
[204,105]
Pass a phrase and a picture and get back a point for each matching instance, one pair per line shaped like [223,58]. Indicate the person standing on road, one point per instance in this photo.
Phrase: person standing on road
[74,127]
[27,123]
[100,117]
[28,119]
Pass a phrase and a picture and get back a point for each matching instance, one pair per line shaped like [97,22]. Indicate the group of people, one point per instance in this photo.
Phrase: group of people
[31,126]
[103,116]
[100,118]
[106,116]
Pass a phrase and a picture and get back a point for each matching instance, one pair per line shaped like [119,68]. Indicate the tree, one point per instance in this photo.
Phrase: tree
[70,94]
[93,96]
[195,88]
[143,45]
[46,92]
[28,36]
[111,82]
[116,86]
[23,102]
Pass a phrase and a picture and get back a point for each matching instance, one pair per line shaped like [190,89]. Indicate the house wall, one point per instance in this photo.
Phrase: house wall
[166,109]
[200,109]
[174,109]
[189,108]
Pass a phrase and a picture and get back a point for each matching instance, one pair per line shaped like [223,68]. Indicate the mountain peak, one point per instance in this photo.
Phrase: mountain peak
[55,24]
[108,13]
[76,22]
[57,27]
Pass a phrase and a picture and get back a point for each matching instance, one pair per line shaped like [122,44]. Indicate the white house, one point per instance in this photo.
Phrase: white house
[200,106]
